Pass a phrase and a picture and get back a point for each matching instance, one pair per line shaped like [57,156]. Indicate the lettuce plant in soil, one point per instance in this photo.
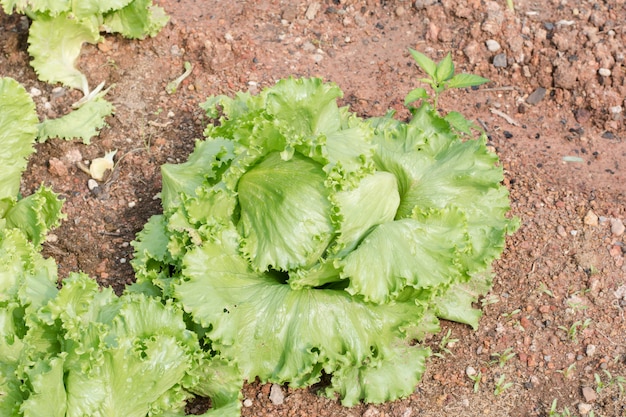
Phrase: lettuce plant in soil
[303,241]
[81,350]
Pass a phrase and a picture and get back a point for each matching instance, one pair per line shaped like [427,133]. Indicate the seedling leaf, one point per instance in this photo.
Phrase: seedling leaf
[466,80]
[425,63]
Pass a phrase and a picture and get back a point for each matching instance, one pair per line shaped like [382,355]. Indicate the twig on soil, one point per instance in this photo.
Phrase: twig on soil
[503,88]
[483,125]
[505,116]
[608,338]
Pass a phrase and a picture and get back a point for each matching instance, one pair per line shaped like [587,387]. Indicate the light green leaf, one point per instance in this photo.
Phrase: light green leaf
[456,303]
[48,396]
[36,214]
[465,80]
[420,254]
[436,170]
[299,229]
[52,7]
[460,123]
[304,107]
[83,123]
[373,202]
[140,18]
[88,8]
[445,69]
[18,129]
[425,63]
[280,334]
[395,378]
[55,44]
[219,380]
[204,164]
[414,95]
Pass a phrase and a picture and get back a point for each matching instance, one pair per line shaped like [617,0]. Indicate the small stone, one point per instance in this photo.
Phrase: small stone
[616,109]
[536,96]
[560,230]
[499,61]
[617,227]
[605,72]
[589,394]
[422,4]
[492,45]
[277,396]
[591,219]
[371,412]
[312,10]
[584,408]
[35,92]
[400,11]
[247,402]
[57,167]
[591,349]
[470,371]
[92,184]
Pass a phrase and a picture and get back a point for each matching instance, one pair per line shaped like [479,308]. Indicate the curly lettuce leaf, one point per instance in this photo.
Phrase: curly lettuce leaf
[55,43]
[83,123]
[322,243]
[18,129]
[284,335]
[36,214]
[136,20]
[435,169]
[48,396]
[299,230]
[389,381]
[204,164]
[87,8]
[423,254]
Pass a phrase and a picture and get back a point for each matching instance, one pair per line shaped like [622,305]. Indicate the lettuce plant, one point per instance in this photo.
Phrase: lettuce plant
[56,35]
[60,28]
[305,241]
[80,350]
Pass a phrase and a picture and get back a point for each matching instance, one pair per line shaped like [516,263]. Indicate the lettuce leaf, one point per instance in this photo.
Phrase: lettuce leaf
[83,123]
[296,333]
[18,129]
[55,43]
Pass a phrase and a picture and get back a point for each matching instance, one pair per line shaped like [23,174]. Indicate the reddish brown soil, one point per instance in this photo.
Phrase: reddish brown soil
[560,269]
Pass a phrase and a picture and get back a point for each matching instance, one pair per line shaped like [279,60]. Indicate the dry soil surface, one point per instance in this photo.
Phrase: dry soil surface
[553,325]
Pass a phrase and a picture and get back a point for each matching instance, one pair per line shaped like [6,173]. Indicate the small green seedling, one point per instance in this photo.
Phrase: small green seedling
[572,331]
[503,357]
[554,413]
[567,372]
[619,381]
[443,345]
[501,385]
[440,78]
[476,377]
[543,288]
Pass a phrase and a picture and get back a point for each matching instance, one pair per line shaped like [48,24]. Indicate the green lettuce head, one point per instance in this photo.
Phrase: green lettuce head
[307,241]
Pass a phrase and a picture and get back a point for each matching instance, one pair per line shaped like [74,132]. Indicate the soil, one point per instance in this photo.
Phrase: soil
[554,114]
